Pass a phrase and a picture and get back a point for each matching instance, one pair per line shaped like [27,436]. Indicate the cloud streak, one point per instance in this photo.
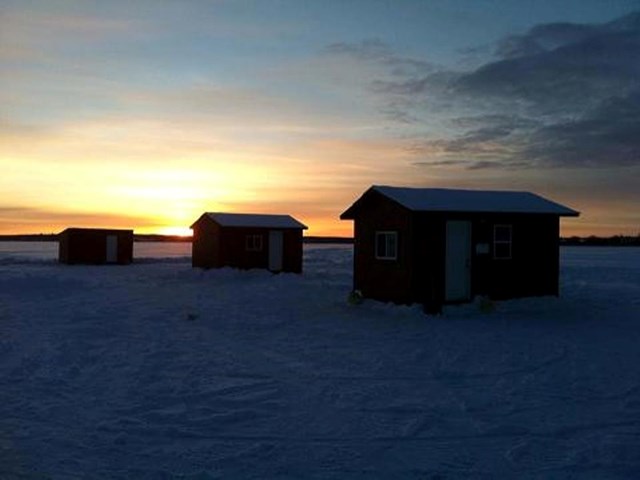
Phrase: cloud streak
[376,51]
[559,95]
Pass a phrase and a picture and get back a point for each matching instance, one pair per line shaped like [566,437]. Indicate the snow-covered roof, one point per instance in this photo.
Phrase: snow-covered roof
[454,200]
[258,220]
[96,230]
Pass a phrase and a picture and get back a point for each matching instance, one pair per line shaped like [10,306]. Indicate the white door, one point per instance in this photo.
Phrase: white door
[112,249]
[276,245]
[458,261]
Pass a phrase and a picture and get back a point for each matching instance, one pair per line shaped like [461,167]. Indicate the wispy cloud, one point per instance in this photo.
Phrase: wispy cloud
[559,95]
[376,51]
[608,135]
[556,71]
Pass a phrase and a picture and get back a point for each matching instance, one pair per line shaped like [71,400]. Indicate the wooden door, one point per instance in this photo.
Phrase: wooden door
[112,249]
[458,261]
[276,250]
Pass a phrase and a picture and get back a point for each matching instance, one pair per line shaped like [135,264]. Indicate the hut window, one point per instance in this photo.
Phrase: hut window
[502,242]
[386,245]
[253,243]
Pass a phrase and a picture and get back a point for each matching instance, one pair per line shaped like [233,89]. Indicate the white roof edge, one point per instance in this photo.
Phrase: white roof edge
[469,200]
[255,220]
[98,229]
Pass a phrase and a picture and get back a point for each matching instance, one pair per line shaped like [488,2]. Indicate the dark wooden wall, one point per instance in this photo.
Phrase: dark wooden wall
[235,254]
[418,275]
[205,245]
[87,246]
[292,261]
[386,280]
[214,246]
[532,270]
[428,286]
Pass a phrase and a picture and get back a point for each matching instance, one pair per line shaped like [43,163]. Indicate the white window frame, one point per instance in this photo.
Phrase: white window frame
[508,242]
[386,234]
[253,243]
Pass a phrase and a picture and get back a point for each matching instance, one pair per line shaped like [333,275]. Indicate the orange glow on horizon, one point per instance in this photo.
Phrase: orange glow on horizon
[154,182]
[319,225]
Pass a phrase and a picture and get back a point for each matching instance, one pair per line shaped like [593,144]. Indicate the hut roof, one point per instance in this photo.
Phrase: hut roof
[256,220]
[95,230]
[455,200]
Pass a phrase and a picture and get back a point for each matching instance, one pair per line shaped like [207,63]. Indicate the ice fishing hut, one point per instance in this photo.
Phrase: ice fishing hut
[243,240]
[435,246]
[95,246]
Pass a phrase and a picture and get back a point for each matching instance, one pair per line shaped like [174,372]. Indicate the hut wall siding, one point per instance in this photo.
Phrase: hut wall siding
[386,280]
[419,273]
[89,246]
[205,247]
[532,269]
[235,254]
[429,255]
[125,248]
[63,248]
[292,261]
[215,246]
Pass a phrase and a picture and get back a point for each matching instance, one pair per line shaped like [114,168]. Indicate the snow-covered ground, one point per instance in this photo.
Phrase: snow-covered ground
[158,370]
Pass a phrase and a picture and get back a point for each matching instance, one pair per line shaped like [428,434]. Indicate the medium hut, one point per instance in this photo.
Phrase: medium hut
[273,242]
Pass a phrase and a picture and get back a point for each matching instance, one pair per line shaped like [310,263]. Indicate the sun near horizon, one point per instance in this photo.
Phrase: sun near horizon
[175,231]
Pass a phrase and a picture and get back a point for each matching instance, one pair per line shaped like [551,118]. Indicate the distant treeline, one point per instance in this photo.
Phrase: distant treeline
[173,238]
[615,241]
[39,237]
[312,239]
[144,237]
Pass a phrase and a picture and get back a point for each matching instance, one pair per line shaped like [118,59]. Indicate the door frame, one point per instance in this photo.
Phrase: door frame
[276,250]
[111,253]
[457,272]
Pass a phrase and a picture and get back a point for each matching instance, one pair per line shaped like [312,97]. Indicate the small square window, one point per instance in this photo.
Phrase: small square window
[502,242]
[386,245]
[502,233]
[253,243]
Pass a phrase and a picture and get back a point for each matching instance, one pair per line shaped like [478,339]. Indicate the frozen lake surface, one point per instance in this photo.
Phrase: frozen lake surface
[158,370]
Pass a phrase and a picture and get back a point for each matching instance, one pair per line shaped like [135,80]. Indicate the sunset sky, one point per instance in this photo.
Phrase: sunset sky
[144,114]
